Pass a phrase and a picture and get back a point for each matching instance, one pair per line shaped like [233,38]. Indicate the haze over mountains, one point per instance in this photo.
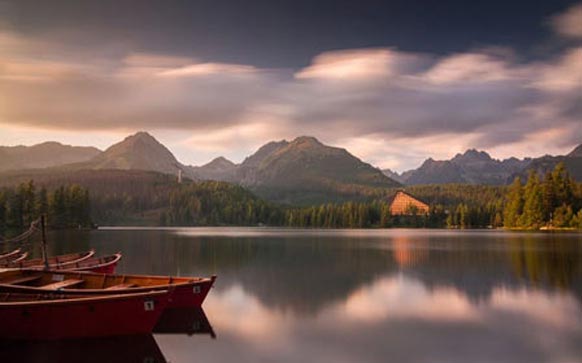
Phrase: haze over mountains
[303,168]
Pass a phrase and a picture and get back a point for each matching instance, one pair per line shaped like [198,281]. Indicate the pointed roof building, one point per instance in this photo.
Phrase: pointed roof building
[405,204]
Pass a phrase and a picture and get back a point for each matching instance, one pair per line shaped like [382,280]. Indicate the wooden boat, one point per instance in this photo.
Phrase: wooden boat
[14,259]
[118,349]
[55,262]
[184,291]
[105,265]
[8,255]
[55,316]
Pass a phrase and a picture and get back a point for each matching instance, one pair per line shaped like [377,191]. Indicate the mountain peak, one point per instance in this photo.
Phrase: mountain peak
[262,153]
[305,164]
[472,155]
[140,151]
[220,161]
[140,136]
[306,140]
[576,153]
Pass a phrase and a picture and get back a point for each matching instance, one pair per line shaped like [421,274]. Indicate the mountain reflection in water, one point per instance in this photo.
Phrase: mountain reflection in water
[368,296]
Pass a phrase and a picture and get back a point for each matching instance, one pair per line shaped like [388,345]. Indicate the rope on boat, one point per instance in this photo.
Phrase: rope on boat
[25,235]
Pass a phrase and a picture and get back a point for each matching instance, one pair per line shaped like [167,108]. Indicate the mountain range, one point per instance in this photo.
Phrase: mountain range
[471,167]
[302,170]
[478,167]
[43,155]
[299,171]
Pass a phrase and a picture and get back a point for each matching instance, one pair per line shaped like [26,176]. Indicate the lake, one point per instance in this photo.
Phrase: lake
[289,295]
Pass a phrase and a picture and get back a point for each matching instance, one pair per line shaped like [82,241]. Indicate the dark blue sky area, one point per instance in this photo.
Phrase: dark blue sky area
[275,33]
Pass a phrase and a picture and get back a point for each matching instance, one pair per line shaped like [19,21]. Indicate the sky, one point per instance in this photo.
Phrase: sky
[394,82]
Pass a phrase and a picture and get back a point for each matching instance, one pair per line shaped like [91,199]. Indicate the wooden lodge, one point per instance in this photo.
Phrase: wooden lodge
[405,204]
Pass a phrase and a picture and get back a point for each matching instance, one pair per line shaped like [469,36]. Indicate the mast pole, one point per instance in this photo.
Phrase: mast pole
[43,234]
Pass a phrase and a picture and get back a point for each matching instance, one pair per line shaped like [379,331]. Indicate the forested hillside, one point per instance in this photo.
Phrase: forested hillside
[67,206]
[117,197]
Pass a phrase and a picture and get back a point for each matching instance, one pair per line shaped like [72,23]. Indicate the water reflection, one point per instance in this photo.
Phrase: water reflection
[395,318]
[187,321]
[123,349]
[367,296]
[132,349]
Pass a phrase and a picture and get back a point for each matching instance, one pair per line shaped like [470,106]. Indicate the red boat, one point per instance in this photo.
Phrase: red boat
[14,259]
[184,291]
[7,256]
[105,265]
[55,262]
[54,316]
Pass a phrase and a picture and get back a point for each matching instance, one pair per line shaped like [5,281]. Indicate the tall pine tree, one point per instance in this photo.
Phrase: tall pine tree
[514,208]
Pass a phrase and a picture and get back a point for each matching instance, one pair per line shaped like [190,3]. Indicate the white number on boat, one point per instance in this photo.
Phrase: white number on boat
[148,305]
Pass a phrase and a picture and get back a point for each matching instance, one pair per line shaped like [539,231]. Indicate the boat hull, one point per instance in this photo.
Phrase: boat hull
[130,314]
[7,257]
[56,262]
[192,295]
[183,292]
[105,265]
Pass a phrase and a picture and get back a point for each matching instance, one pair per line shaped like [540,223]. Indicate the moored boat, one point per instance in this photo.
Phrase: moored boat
[55,262]
[105,264]
[8,255]
[184,291]
[56,316]
[14,259]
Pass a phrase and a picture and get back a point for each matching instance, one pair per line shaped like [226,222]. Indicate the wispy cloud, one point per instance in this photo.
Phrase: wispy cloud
[569,23]
[424,104]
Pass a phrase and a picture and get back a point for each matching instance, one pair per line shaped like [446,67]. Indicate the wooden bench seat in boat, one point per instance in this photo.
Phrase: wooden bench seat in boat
[21,280]
[121,286]
[62,284]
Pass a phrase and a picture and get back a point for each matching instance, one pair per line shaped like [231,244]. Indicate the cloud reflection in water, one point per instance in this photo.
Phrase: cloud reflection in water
[395,318]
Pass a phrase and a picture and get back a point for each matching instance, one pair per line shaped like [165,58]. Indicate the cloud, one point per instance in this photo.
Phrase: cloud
[469,68]
[208,69]
[478,99]
[360,64]
[137,91]
[569,23]
[390,107]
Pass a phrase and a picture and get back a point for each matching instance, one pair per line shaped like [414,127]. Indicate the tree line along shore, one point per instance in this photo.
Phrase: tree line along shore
[551,201]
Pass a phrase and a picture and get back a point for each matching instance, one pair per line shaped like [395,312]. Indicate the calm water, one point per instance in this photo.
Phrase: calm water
[353,296]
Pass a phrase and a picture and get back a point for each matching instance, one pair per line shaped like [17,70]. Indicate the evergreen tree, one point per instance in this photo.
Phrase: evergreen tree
[15,210]
[514,208]
[577,220]
[563,185]
[28,197]
[58,208]
[533,208]
[42,203]
[563,216]
[549,190]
